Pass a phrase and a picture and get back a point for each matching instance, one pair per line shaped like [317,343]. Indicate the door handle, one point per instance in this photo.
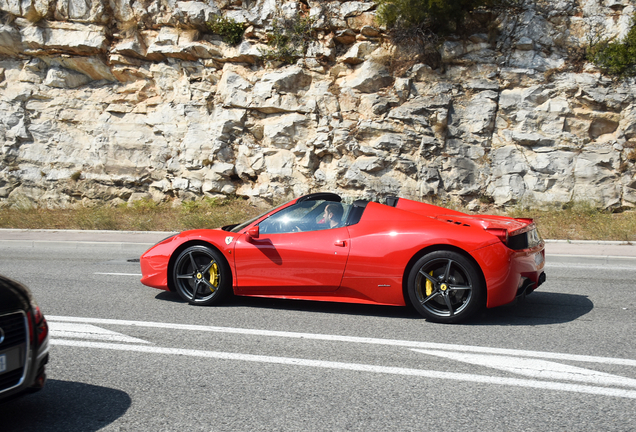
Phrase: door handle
[340,243]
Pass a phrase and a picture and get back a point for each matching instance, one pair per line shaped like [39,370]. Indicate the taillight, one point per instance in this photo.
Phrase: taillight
[501,234]
[41,327]
[38,314]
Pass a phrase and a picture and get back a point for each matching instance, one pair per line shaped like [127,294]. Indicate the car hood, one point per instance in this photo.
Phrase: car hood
[13,296]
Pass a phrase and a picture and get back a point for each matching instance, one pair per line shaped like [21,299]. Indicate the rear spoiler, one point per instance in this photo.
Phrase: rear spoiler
[509,230]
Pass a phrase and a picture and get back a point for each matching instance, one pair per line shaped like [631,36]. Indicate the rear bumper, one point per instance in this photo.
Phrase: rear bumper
[509,273]
[527,285]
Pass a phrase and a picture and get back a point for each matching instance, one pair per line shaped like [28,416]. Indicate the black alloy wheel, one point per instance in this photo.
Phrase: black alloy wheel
[201,276]
[446,287]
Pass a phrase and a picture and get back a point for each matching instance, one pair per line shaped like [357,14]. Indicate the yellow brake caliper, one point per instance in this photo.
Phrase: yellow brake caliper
[429,286]
[214,276]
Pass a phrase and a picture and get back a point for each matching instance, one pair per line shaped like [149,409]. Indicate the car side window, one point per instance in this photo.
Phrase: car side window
[305,216]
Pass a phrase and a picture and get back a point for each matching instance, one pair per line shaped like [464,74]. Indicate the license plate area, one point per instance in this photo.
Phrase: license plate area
[11,359]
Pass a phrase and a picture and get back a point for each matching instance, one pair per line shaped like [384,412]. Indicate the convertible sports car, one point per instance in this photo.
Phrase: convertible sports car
[447,264]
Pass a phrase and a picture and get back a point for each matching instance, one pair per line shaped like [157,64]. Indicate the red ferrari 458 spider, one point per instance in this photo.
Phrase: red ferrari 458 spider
[447,264]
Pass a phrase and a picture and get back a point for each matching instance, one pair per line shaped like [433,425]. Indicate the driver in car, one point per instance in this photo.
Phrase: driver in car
[331,217]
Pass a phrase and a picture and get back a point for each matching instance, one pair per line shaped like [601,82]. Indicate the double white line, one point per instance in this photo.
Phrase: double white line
[546,374]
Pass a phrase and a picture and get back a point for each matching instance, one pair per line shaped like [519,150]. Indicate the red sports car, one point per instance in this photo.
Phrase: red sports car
[447,264]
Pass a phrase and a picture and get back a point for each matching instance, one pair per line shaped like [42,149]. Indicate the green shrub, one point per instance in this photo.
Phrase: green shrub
[230,30]
[616,58]
[436,15]
[417,27]
[289,39]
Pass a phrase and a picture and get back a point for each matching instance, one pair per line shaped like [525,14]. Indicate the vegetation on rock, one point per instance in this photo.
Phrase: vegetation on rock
[439,16]
[617,58]
[289,39]
[417,28]
[230,30]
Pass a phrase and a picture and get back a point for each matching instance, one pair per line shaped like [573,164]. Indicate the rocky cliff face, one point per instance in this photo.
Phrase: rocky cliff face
[119,100]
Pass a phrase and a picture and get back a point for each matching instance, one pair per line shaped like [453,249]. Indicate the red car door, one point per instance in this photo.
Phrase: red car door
[312,261]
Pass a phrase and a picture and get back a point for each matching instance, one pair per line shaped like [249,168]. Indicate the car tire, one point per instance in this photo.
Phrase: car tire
[201,275]
[446,287]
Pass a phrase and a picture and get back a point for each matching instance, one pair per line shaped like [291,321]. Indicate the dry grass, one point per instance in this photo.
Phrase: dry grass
[581,221]
[577,221]
[143,215]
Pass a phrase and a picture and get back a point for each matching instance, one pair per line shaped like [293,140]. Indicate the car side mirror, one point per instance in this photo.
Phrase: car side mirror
[253,233]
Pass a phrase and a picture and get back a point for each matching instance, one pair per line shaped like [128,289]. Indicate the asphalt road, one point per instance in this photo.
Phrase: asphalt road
[128,357]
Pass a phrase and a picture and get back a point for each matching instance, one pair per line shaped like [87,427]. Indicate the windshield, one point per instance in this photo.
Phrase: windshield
[239,227]
[306,209]
[243,225]
[311,215]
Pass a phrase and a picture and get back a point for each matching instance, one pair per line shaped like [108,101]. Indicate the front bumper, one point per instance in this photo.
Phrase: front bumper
[31,376]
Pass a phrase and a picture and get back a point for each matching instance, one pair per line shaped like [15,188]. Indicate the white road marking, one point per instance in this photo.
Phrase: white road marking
[88,331]
[353,339]
[484,379]
[119,274]
[542,369]
[610,257]
[590,266]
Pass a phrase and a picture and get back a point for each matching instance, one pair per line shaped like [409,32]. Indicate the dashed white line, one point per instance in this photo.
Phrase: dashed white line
[88,331]
[536,368]
[119,274]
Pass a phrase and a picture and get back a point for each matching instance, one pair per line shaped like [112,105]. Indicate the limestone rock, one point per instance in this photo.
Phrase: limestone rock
[370,77]
[138,100]
[10,40]
[345,37]
[195,13]
[358,52]
[64,78]
[63,37]
[282,131]
[81,10]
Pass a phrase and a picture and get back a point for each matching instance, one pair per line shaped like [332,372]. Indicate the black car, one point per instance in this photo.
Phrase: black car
[24,341]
